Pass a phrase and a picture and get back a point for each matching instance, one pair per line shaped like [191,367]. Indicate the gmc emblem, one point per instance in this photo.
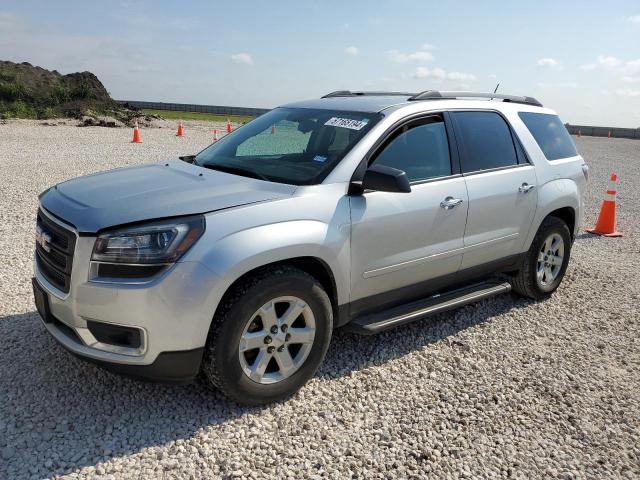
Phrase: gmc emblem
[43,239]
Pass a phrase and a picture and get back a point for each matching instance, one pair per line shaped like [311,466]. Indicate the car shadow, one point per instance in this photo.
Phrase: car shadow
[59,413]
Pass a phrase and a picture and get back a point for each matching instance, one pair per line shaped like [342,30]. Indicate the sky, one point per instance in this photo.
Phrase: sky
[580,58]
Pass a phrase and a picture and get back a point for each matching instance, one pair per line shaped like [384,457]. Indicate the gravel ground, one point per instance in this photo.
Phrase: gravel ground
[503,388]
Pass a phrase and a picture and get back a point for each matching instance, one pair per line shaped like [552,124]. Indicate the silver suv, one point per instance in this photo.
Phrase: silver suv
[364,210]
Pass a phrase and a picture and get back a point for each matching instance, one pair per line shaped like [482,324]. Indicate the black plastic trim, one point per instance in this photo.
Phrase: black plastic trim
[112,334]
[423,289]
[358,174]
[445,95]
[179,367]
[349,93]
[517,144]
[409,312]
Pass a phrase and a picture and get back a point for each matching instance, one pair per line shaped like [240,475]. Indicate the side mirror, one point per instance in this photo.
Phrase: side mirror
[385,179]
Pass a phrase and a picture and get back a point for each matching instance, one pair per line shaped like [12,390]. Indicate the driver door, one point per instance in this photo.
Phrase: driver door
[405,246]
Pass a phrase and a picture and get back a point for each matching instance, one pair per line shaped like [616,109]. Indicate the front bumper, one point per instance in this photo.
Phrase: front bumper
[169,367]
[172,313]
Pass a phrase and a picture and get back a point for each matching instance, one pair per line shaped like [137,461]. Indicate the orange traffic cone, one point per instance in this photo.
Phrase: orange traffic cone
[180,133]
[215,136]
[273,129]
[606,224]
[229,126]
[136,133]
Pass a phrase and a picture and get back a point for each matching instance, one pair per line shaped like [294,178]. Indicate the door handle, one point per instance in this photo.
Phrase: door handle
[526,188]
[450,202]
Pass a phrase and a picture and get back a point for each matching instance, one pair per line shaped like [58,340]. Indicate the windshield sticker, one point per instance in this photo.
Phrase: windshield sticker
[349,123]
[319,158]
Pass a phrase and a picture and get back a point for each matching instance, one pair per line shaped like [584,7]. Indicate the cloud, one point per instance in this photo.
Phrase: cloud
[424,72]
[629,79]
[634,19]
[632,67]
[9,22]
[603,62]
[353,51]
[242,58]
[421,55]
[548,63]
[557,85]
[427,46]
[492,76]
[185,23]
[627,92]
[440,74]
[462,76]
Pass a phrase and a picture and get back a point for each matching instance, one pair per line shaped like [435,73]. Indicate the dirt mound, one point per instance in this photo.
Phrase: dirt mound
[27,91]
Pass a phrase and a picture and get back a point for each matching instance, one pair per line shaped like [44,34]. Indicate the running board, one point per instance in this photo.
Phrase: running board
[403,314]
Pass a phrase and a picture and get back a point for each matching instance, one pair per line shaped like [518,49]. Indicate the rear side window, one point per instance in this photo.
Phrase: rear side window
[486,140]
[550,134]
[420,149]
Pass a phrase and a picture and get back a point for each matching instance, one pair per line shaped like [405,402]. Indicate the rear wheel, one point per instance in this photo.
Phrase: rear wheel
[545,264]
[269,336]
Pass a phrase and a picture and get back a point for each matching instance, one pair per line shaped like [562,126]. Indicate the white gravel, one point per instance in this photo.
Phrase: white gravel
[504,388]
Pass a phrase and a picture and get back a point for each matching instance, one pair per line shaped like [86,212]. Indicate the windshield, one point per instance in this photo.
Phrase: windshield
[298,146]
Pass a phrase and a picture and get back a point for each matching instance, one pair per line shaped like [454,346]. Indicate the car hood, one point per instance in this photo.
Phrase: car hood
[153,191]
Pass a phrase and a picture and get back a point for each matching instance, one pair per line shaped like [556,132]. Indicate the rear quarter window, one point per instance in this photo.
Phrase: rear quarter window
[550,134]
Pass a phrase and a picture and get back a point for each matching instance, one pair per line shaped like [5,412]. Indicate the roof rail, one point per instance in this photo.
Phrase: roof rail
[437,95]
[348,93]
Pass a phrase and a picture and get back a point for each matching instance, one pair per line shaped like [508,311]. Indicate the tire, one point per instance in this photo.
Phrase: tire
[527,281]
[239,319]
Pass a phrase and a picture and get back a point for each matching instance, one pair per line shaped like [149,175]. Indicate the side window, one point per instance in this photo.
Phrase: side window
[486,140]
[550,134]
[420,149]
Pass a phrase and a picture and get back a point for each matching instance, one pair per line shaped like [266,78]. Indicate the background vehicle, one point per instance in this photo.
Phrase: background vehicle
[365,210]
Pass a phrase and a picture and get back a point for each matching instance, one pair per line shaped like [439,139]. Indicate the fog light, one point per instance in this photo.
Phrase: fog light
[117,335]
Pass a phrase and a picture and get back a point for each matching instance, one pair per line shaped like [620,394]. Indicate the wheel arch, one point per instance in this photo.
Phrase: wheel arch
[314,266]
[567,215]
[559,198]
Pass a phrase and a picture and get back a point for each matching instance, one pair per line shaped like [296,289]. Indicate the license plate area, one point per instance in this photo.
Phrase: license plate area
[41,299]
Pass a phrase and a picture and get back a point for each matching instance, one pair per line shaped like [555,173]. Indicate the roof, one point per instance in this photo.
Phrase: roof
[374,102]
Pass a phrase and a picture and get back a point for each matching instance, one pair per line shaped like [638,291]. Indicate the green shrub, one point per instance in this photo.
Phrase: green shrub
[11,91]
[20,109]
[60,94]
[43,113]
[82,91]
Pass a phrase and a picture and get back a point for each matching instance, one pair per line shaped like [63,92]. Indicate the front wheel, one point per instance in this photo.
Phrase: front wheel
[269,336]
[545,264]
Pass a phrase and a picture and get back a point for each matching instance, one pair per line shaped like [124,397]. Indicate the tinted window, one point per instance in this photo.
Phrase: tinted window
[486,141]
[420,149]
[298,146]
[551,135]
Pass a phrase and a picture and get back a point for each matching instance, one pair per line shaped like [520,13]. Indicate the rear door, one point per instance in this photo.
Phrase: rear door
[501,185]
[402,242]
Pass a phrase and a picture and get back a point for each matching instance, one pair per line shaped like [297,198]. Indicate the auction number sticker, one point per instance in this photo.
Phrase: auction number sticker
[349,123]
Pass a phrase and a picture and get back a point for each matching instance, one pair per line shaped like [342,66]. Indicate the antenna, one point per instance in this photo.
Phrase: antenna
[496,88]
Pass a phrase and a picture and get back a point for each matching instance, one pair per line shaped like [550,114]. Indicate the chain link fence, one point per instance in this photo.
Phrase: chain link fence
[188,107]
[604,131]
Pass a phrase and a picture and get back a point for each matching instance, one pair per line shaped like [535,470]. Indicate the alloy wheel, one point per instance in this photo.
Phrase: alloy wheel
[277,340]
[550,259]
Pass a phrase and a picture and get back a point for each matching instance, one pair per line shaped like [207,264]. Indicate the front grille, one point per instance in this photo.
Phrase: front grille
[55,264]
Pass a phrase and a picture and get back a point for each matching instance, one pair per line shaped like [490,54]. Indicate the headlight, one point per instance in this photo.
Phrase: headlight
[151,244]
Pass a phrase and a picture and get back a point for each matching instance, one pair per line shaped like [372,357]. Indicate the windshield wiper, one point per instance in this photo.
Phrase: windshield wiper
[236,171]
